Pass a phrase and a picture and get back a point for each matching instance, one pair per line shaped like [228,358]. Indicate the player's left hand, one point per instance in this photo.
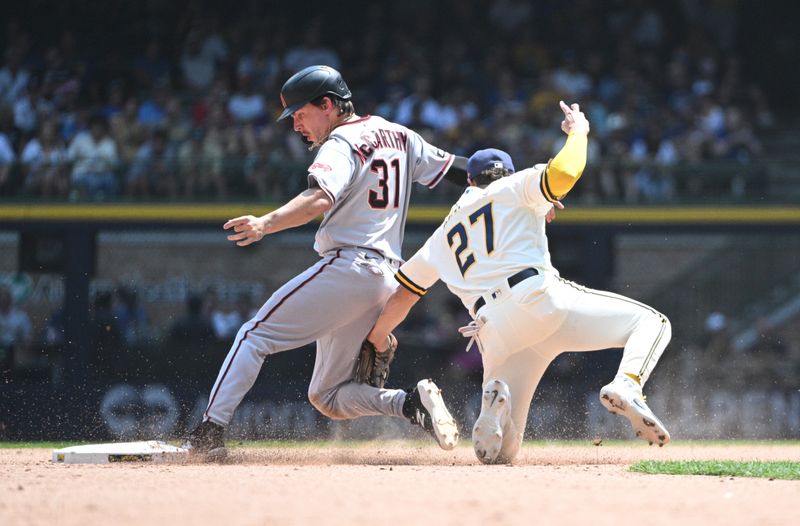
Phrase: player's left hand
[552,213]
[249,229]
[574,119]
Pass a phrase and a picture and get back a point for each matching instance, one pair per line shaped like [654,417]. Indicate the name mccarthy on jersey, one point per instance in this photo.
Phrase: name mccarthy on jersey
[380,138]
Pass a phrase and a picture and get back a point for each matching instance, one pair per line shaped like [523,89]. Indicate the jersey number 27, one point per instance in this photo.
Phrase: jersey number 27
[463,240]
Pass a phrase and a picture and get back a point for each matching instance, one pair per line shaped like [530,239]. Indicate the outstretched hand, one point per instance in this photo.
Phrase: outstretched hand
[249,229]
[574,119]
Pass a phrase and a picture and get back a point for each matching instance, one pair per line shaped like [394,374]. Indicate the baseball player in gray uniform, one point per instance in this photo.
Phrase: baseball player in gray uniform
[492,252]
[361,181]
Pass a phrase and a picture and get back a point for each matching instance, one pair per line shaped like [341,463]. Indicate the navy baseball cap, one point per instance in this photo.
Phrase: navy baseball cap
[488,159]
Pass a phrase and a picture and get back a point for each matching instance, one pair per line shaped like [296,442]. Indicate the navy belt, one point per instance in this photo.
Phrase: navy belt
[522,275]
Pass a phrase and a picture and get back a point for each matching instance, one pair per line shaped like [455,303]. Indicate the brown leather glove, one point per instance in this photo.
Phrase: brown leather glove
[373,367]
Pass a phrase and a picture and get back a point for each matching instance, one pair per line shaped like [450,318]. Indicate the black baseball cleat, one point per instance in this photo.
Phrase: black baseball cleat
[206,442]
[425,407]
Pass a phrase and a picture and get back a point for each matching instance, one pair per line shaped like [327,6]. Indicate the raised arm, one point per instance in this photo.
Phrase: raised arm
[567,166]
[299,211]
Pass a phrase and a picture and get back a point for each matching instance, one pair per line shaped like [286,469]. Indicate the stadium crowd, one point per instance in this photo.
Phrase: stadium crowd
[181,103]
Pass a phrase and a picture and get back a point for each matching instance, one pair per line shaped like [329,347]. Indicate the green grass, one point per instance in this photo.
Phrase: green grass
[785,470]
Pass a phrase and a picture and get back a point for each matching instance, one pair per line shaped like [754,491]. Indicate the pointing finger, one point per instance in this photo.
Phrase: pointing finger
[564,107]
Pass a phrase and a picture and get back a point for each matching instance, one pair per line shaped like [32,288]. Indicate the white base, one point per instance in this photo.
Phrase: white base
[149,451]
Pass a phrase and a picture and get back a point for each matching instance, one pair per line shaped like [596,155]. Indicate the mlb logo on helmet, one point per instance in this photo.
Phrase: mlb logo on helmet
[487,159]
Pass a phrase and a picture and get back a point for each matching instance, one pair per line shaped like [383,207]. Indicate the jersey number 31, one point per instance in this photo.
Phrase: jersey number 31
[463,240]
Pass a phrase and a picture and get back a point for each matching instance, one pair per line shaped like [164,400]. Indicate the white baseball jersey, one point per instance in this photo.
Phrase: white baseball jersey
[490,234]
[366,167]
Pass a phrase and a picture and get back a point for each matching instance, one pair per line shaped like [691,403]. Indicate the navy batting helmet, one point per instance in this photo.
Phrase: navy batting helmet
[310,83]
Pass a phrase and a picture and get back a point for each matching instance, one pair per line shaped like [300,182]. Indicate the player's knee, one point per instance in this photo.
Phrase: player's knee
[324,402]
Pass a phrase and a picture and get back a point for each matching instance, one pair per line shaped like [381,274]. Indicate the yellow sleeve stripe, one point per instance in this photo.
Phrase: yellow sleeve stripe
[408,284]
[544,186]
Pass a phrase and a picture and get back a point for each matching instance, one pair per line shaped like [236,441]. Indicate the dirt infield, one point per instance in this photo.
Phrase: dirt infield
[398,484]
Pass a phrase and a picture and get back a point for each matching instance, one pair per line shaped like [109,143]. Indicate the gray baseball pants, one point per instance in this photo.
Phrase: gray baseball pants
[335,303]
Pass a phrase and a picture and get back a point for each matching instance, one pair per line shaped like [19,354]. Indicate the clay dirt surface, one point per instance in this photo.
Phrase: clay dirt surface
[399,484]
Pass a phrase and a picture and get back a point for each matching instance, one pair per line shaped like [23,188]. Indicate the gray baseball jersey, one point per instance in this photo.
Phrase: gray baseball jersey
[366,168]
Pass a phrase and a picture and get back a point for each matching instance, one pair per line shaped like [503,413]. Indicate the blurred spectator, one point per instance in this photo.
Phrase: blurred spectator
[7,155]
[131,318]
[178,124]
[13,77]
[259,64]
[94,157]
[15,333]
[44,164]
[226,323]
[255,170]
[154,169]
[246,105]
[311,50]
[151,67]
[115,99]
[200,163]
[214,45]
[153,110]
[658,99]
[128,131]
[197,67]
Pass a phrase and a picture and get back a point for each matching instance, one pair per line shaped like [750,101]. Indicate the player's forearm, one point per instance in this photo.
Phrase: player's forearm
[394,312]
[457,174]
[299,211]
[567,166]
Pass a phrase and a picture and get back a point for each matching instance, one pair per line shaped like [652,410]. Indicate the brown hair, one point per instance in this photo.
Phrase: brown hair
[491,175]
[345,107]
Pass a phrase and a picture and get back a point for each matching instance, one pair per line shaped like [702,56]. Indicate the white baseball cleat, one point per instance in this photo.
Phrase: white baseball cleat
[487,433]
[624,397]
[424,406]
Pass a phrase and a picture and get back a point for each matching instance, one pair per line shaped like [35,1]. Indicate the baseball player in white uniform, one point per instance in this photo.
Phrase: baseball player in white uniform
[492,253]
[361,181]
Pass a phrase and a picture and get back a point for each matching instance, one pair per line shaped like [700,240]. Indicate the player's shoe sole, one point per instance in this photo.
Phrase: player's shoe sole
[487,433]
[621,400]
[444,425]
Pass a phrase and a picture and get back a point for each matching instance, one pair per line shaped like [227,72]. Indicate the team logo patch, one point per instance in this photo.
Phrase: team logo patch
[320,167]
[498,164]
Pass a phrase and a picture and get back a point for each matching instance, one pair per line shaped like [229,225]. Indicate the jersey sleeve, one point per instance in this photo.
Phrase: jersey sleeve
[332,169]
[530,186]
[427,163]
[418,274]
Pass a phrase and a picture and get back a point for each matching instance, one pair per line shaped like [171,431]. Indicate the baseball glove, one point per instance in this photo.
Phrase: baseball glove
[373,367]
